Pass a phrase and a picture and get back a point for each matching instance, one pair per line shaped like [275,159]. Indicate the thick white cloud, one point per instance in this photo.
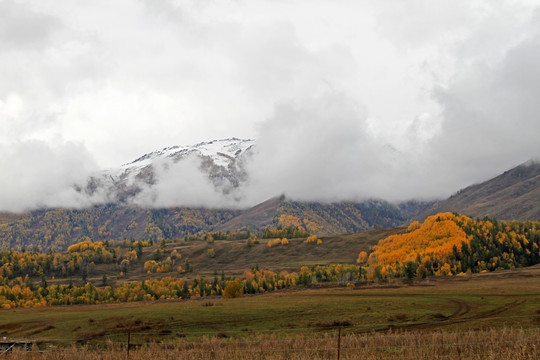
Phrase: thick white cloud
[38,175]
[490,116]
[315,149]
[182,183]
[349,99]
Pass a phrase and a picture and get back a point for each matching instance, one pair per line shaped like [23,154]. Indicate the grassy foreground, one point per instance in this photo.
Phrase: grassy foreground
[486,316]
[517,344]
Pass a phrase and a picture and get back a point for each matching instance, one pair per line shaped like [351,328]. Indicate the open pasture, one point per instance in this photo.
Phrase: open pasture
[495,301]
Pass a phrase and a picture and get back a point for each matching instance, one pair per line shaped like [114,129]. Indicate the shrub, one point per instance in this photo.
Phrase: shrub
[233,290]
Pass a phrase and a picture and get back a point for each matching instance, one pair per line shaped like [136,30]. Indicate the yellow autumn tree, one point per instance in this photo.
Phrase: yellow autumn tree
[311,239]
[233,290]
[362,257]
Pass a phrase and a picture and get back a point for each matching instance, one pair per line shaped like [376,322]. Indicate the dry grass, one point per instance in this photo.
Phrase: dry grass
[486,344]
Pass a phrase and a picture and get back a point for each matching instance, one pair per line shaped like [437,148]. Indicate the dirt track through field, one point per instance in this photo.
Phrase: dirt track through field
[465,308]
[502,309]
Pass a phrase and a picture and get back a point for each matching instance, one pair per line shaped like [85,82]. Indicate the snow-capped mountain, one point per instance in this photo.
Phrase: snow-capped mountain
[221,161]
[222,153]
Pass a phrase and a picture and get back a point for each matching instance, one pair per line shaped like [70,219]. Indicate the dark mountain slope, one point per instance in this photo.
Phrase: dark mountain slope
[59,228]
[513,195]
[257,217]
[318,218]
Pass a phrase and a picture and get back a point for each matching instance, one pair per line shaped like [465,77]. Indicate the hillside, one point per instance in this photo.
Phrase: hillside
[340,218]
[234,255]
[451,244]
[318,218]
[142,270]
[513,195]
[256,217]
[7,217]
[59,228]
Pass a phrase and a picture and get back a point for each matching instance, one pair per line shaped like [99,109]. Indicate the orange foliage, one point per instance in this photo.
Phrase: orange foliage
[436,236]
[362,257]
[413,226]
[289,220]
[311,239]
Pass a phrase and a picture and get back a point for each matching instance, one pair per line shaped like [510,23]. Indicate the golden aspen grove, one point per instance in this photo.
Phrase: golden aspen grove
[451,244]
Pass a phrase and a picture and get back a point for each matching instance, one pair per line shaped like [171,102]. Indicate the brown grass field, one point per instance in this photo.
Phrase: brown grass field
[492,344]
[486,316]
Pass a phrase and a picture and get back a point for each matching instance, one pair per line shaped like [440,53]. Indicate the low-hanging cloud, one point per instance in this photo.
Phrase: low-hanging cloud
[181,183]
[37,175]
[318,149]
[489,117]
[321,149]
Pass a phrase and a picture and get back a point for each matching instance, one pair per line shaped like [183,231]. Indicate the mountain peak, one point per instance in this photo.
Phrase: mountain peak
[231,147]
[221,161]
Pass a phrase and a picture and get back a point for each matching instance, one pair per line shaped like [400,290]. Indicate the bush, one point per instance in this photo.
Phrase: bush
[233,290]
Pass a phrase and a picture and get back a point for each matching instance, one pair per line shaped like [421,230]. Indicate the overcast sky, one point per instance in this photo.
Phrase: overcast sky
[347,99]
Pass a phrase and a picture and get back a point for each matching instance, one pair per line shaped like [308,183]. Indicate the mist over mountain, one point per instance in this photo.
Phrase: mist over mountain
[236,174]
[209,174]
[368,104]
[515,194]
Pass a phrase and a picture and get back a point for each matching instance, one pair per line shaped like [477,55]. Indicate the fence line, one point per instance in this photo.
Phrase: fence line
[404,332]
[403,335]
[390,343]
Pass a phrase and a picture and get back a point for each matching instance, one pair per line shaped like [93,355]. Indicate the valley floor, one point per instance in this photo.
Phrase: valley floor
[485,316]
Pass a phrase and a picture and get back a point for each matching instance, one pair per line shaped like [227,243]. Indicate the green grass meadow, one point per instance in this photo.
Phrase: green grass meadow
[496,300]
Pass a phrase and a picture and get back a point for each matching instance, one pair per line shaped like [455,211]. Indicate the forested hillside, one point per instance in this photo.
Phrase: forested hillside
[449,244]
[59,228]
[339,218]
[322,219]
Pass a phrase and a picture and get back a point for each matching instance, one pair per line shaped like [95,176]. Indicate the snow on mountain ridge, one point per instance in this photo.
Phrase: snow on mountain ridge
[220,161]
[218,150]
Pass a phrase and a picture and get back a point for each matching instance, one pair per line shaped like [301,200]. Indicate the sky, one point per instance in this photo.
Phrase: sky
[346,99]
